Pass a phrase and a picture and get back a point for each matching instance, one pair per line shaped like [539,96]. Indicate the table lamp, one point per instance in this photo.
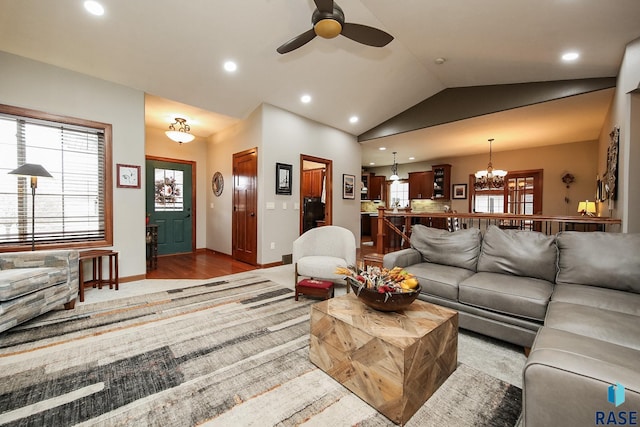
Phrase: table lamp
[34,171]
[587,208]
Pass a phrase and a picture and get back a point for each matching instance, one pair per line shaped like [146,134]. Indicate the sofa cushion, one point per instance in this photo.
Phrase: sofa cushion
[22,281]
[518,252]
[607,260]
[608,299]
[439,280]
[604,325]
[320,267]
[518,296]
[458,249]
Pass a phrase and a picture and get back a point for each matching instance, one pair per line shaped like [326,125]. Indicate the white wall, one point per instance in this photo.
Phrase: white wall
[280,136]
[245,135]
[159,145]
[35,85]
[624,110]
[285,137]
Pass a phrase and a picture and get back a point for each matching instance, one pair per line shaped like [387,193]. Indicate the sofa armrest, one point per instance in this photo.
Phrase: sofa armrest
[57,258]
[402,258]
[567,376]
[47,258]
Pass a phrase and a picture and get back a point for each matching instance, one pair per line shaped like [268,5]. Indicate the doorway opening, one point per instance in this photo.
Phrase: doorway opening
[316,192]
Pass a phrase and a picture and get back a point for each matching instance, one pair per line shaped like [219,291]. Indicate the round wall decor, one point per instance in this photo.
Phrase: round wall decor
[217,183]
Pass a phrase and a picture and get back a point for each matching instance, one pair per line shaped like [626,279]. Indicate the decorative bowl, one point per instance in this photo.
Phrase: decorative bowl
[383,301]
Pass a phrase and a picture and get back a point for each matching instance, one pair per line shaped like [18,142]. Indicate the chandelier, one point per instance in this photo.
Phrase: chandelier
[182,133]
[394,169]
[490,178]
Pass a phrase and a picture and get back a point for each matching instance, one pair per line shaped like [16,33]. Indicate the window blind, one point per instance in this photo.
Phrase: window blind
[70,206]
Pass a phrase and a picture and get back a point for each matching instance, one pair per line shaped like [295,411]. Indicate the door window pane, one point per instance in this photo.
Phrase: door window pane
[169,190]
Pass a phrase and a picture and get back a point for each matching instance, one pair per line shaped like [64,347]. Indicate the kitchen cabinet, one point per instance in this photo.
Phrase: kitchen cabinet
[365,224]
[312,182]
[377,187]
[364,186]
[420,185]
[441,182]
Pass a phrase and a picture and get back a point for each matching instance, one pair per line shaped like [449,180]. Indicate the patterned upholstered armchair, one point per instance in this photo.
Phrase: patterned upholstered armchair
[33,283]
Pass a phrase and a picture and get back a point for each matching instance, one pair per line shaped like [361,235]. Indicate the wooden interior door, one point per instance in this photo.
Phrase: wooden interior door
[245,206]
[523,195]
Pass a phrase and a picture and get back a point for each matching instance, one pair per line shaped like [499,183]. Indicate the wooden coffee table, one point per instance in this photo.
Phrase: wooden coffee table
[392,361]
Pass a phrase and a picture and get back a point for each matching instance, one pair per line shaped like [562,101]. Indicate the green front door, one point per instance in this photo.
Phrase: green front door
[169,194]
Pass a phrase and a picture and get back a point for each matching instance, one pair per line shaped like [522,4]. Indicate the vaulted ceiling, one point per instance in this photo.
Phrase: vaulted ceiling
[175,51]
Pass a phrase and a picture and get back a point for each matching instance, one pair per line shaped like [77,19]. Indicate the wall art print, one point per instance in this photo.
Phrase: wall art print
[611,177]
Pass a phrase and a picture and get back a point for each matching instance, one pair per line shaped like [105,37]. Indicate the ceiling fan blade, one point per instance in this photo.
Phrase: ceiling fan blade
[297,41]
[325,6]
[366,35]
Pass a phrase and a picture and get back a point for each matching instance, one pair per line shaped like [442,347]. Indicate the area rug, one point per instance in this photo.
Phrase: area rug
[228,353]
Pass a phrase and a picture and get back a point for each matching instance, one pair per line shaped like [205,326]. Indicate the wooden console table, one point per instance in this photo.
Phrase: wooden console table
[95,256]
[392,361]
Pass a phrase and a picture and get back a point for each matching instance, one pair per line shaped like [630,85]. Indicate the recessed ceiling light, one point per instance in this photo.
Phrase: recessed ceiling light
[382,148]
[353,119]
[230,66]
[371,163]
[412,158]
[94,8]
[440,61]
[570,56]
[305,98]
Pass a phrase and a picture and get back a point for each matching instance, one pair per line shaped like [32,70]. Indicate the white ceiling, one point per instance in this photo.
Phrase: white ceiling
[175,51]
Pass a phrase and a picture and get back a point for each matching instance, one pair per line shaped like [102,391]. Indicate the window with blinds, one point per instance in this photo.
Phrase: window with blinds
[72,208]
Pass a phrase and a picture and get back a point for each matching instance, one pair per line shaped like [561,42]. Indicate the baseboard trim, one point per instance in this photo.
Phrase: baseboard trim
[271,264]
[132,278]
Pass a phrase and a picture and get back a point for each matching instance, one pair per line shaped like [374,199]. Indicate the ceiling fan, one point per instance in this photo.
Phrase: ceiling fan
[328,22]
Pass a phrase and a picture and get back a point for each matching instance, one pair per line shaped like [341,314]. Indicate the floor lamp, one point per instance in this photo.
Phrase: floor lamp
[33,171]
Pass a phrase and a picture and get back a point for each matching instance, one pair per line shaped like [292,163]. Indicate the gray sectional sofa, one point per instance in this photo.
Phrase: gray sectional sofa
[574,298]
[33,283]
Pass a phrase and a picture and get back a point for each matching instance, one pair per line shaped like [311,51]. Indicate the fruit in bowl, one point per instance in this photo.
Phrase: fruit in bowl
[381,288]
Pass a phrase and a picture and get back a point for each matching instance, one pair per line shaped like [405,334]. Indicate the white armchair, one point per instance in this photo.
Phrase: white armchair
[318,252]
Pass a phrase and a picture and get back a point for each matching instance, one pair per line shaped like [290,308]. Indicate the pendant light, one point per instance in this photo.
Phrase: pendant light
[490,177]
[182,133]
[394,169]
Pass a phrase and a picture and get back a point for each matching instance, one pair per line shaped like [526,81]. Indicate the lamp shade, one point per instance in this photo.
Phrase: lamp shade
[178,136]
[587,207]
[31,169]
[181,134]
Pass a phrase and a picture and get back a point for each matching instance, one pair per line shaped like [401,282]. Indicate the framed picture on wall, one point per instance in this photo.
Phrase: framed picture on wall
[128,176]
[459,191]
[348,186]
[283,178]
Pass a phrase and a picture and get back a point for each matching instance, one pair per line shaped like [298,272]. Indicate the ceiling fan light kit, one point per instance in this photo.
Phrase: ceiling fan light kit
[328,28]
[328,22]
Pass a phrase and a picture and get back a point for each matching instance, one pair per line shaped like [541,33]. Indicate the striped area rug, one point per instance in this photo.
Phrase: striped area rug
[228,353]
